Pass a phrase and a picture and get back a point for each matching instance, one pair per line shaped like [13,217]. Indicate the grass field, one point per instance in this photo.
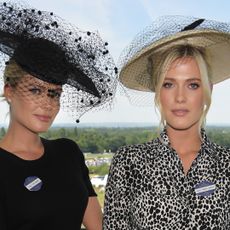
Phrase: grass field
[105,169]
[100,196]
[100,192]
[98,155]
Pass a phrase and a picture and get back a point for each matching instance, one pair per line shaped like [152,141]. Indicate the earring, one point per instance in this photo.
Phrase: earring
[8,100]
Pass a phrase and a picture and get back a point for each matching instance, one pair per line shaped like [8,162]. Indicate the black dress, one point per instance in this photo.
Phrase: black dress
[48,193]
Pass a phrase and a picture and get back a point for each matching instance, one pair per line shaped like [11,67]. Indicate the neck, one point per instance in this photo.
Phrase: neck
[184,141]
[20,139]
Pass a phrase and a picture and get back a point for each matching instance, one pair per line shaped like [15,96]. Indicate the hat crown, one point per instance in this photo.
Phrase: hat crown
[164,27]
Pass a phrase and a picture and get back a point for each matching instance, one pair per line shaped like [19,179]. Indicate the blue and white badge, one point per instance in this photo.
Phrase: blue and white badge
[33,183]
[205,188]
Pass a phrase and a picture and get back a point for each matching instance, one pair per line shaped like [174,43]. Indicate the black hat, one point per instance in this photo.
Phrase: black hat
[50,49]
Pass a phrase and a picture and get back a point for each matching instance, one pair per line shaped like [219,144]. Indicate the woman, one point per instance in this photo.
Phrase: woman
[45,183]
[181,179]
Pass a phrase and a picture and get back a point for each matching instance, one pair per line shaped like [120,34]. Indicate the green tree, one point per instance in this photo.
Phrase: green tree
[62,133]
[2,132]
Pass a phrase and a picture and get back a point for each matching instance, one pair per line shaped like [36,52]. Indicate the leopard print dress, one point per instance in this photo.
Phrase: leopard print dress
[148,190]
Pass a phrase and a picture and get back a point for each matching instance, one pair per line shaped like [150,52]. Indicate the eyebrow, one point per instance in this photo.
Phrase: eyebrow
[35,84]
[189,79]
[57,89]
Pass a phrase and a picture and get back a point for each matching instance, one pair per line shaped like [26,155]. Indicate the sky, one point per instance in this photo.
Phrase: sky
[118,21]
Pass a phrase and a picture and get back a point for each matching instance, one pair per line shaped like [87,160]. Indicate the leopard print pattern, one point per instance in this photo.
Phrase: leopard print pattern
[148,190]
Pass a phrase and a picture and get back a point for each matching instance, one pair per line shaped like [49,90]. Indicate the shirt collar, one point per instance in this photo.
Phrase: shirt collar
[164,139]
[207,146]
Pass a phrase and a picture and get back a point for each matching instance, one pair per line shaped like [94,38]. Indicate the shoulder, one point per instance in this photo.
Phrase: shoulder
[62,146]
[61,142]
[221,152]
[137,152]
[57,141]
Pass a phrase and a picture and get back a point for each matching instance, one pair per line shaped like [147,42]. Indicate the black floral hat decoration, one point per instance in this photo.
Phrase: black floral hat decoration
[52,50]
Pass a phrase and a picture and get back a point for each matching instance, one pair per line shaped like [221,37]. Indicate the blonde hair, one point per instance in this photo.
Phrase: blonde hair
[161,64]
[13,73]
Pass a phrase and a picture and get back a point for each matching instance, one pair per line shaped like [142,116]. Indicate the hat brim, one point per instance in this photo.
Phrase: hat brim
[36,56]
[56,51]
[216,44]
[47,61]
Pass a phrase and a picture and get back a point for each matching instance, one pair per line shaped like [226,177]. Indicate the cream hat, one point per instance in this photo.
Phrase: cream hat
[166,31]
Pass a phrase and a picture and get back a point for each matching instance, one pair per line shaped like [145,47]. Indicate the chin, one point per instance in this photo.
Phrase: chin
[182,127]
[179,128]
[41,129]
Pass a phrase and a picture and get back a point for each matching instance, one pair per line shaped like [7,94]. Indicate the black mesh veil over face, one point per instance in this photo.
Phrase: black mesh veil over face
[54,51]
[40,93]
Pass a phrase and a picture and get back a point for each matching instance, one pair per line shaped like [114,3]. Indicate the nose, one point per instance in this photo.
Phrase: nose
[46,106]
[47,103]
[180,95]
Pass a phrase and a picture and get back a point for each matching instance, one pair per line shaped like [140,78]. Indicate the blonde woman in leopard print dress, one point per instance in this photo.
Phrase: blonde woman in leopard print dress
[180,180]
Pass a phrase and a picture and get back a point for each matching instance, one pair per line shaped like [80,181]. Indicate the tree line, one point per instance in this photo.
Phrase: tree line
[99,140]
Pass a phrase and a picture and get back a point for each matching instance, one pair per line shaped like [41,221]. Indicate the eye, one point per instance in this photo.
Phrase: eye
[194,86]
[35,91]
[167,85]
[57,95]
[54,93]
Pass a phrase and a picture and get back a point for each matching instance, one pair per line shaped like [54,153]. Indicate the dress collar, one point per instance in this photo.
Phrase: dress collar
[207,146]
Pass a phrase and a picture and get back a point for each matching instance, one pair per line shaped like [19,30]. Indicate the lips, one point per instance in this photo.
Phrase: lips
[43,118]
[180,112]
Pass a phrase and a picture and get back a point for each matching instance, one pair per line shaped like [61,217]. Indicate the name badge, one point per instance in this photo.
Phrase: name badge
[205,188]
[33,183]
